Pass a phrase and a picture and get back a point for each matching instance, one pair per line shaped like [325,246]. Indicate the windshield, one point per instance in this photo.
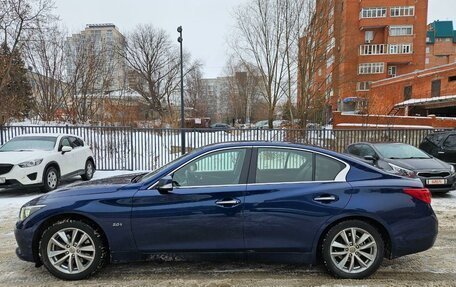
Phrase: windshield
[29,143]
[400,151]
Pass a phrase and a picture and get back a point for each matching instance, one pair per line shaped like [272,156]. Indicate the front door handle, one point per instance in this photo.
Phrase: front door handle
[326,198]
[228,202]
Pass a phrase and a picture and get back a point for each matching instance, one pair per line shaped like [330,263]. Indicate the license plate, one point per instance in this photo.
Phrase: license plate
[2,180]
[436,181]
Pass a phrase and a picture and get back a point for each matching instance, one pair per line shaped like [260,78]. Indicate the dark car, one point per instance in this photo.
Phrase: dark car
[220,126]
[441,145]
[408,161]
[253,200]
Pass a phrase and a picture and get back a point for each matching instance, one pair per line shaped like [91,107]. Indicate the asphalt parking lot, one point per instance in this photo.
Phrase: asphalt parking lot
[435,267]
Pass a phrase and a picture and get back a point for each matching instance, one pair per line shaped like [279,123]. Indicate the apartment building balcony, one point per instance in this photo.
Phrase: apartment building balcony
[385,49]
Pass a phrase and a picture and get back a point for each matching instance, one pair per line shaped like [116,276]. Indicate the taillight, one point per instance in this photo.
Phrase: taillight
[422,194]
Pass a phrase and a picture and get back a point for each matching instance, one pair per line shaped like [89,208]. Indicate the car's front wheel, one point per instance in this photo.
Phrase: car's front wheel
[72,250]
[51,179]
[89,171]
[352,249]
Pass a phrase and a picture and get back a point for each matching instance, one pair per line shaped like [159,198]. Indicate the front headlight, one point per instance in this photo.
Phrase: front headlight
[452,170]
[402,171]
[26,211]
[31,163]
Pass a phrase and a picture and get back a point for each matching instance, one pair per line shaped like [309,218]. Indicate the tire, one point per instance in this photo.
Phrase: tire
[51,179]
[78,260]
[89,170]
[370,250]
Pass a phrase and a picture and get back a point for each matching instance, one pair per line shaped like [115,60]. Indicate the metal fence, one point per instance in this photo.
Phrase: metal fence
[126,148]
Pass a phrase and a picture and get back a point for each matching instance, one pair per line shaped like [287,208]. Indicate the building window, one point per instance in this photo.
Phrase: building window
[428,50]
[363,86]
[427,61]
[330,61]
[392,71]
[400,49]
[373,13]
[368,36]
[452,79]
[436,85]
[401,30]
[408,93]
[402,11]
[371,68]
[428,40]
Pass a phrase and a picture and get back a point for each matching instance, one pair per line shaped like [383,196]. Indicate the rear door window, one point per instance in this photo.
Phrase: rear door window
[283,165]
[327,169]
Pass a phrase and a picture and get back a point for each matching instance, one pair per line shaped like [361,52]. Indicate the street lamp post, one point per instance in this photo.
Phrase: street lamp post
[180,40]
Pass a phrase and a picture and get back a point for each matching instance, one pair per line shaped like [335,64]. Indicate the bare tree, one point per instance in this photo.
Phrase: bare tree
[19,20]
[259,39]
[243,89]
[45,57]
[90,75]
[154,65]
[195,89]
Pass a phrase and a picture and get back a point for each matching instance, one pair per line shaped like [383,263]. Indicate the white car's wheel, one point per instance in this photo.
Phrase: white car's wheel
[51,179]
[89,170]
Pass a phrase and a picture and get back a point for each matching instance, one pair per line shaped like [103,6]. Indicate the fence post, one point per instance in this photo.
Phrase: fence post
[131,149]
[66,128]
[1,134]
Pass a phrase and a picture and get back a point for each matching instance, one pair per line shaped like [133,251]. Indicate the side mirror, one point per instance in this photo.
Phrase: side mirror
[371,158]
[165,185]
[66,149]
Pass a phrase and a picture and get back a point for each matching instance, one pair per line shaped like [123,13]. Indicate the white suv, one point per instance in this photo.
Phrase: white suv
[42,160]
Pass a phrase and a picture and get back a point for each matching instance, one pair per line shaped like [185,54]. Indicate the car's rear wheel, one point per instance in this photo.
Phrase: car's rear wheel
[353,249]
[89,170]
[72,250]
[51,179]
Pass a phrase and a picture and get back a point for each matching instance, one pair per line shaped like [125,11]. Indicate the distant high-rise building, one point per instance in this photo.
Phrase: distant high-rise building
[368,40]
[440,44]
[102,44]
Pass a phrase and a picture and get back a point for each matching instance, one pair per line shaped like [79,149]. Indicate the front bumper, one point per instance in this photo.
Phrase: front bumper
[18,177]
[450,185]
[24,239]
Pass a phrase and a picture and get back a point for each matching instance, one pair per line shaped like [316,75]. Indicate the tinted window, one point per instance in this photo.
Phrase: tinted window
[354,150]
[280,165]
[76,142]
[218,168]
[29,143]
[327,168]
[365,150]
[450,142]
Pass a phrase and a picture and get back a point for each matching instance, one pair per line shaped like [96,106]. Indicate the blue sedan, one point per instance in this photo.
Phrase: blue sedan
[275,201]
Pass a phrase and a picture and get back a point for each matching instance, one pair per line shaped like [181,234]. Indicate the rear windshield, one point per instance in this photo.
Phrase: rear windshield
[29,143]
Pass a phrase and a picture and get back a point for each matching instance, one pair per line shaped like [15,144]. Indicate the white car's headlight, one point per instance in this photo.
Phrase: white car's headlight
[26,211]
[31,163]
[402,171]
[452,169]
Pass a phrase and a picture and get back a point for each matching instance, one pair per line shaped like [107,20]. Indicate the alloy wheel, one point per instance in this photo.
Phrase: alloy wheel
[353,250]
[71,251]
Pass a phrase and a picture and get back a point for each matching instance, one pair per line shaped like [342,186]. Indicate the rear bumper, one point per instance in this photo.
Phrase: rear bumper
[416,236]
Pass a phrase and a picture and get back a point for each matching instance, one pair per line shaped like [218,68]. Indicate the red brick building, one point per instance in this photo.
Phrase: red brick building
[373,40]
[440,44]
[421,93]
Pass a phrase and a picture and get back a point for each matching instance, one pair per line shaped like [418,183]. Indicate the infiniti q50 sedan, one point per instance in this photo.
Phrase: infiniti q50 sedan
[253,199]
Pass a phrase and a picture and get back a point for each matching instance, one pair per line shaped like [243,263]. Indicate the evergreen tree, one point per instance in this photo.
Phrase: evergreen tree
[16,96]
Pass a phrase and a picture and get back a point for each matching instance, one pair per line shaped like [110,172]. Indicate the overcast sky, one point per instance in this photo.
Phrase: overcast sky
[207,23]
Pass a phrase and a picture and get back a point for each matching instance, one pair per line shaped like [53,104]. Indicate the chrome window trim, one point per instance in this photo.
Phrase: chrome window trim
[340,178]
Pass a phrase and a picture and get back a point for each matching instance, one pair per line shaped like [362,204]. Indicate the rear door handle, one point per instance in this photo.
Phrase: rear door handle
[326,198]
[228,202]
